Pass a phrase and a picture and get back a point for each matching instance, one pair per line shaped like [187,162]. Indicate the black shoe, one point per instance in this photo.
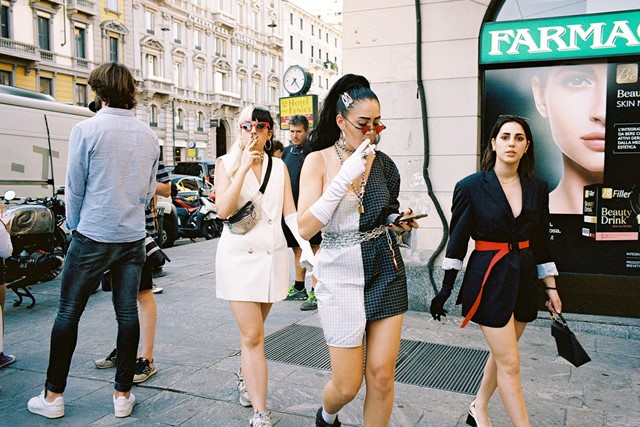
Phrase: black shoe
[158,273]
[320,422]
[471,416]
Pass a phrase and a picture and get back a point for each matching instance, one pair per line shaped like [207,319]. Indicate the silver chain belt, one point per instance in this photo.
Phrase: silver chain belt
[345,239]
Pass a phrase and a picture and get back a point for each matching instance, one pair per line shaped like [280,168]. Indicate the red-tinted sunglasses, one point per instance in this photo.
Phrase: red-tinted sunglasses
[366,128]
[260,126]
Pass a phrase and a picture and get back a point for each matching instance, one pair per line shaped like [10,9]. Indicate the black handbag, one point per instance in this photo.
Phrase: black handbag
[245,218]
[568,346]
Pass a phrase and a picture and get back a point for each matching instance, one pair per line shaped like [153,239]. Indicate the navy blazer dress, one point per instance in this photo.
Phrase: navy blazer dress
[481,211]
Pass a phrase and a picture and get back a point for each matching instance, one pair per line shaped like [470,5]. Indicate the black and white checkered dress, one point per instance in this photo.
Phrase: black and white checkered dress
[359,283]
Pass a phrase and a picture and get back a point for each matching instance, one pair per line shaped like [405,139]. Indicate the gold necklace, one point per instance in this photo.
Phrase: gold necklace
[363,183]
[259,159]
[508,182]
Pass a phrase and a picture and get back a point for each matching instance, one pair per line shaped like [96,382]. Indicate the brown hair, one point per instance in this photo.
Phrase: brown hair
[113,82]
[527,164]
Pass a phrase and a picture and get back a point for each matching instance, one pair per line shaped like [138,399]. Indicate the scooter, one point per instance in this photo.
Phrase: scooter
[39,241]
[197,216]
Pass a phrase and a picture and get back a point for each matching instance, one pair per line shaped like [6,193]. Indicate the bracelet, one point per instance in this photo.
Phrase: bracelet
[551,287]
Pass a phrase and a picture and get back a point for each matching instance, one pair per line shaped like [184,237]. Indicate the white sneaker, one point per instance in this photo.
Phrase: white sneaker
[243,394]
[260,419]
[39,405]
[123,406]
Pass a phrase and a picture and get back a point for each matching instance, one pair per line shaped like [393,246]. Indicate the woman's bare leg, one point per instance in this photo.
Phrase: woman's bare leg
[250,317]
[503,343]
[490,383]
[383,345]
[346,377]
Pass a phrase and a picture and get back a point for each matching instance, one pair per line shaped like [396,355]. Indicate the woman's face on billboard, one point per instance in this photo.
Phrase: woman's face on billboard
[574,99]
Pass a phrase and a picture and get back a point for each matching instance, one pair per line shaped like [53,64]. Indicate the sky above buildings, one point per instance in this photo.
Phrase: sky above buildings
[319,6]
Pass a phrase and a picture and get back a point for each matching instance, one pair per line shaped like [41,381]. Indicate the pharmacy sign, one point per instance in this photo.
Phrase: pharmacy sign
[561,38]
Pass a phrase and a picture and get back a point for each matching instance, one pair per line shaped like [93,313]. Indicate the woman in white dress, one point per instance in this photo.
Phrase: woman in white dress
[252,269]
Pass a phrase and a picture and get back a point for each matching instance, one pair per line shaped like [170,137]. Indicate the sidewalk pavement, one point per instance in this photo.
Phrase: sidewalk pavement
[196,356]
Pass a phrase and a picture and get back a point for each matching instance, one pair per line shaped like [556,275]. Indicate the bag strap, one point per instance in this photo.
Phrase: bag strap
[266,175]
[562,319]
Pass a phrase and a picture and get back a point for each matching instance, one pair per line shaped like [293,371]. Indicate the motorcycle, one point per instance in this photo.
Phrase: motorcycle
[39,241]
[197,215]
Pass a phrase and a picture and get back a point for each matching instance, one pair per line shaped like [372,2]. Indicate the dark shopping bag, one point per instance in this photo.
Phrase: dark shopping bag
[568,346]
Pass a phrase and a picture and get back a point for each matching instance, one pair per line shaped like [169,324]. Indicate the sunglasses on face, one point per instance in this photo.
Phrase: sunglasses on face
[366,128]
[260,126]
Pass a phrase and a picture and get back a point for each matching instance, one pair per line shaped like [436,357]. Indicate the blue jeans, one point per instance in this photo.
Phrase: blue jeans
[84,263]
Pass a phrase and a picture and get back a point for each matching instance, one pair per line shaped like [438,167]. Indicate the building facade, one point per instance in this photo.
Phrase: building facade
[199,63]
[47,46]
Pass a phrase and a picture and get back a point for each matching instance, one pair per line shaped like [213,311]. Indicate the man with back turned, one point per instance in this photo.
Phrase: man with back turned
[111,175]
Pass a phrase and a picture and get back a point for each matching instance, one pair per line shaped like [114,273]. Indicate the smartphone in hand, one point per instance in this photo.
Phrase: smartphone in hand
[409,218]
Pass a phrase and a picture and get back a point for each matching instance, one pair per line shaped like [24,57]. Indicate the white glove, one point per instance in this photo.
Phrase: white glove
[351,169]
[307,258]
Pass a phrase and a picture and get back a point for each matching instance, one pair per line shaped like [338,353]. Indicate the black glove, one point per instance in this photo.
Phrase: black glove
[437,303]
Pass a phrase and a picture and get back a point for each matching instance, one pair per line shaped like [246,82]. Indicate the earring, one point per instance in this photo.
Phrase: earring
[265,145]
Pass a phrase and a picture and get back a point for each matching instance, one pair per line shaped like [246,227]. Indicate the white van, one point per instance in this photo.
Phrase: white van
[28,121]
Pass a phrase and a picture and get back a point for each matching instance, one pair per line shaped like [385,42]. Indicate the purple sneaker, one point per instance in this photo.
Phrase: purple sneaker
[6,359]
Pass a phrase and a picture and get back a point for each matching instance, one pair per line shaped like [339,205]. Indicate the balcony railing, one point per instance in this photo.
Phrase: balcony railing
[315,63]
[276,42]
[232,100]
[158,85]
[331,66]
[86,6]
[47,56]
[222,19]
[81,62]
[18,49]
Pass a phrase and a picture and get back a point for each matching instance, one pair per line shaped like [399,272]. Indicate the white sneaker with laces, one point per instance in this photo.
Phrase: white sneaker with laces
[39,405]
[261,419]
[123,406]
[243,394]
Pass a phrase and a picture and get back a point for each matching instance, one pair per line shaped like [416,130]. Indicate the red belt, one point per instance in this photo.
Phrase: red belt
[503,249]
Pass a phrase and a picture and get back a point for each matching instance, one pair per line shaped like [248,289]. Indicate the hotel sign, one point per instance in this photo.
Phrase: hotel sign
[561,38]
[306,105]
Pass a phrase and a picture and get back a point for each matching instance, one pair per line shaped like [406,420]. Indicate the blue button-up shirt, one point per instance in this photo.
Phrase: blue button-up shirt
[111,176]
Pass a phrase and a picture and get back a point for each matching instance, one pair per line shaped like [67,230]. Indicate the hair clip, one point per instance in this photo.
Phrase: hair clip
[346,99]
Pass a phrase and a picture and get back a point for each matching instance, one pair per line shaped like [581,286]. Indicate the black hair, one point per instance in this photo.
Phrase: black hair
[298,120]
[355,89]
[261,114]
[527,164]
[277,145]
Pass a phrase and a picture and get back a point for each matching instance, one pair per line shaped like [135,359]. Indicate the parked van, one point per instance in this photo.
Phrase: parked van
[32,125]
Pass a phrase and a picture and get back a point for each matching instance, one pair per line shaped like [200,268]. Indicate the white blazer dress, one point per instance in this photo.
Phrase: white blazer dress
[255,266]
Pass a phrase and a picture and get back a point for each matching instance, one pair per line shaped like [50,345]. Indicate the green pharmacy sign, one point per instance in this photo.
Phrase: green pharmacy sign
[561,38]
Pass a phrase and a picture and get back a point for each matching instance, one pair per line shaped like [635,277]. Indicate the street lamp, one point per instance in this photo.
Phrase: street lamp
[173,129]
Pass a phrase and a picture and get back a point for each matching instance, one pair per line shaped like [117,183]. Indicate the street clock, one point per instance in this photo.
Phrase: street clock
[297,80]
